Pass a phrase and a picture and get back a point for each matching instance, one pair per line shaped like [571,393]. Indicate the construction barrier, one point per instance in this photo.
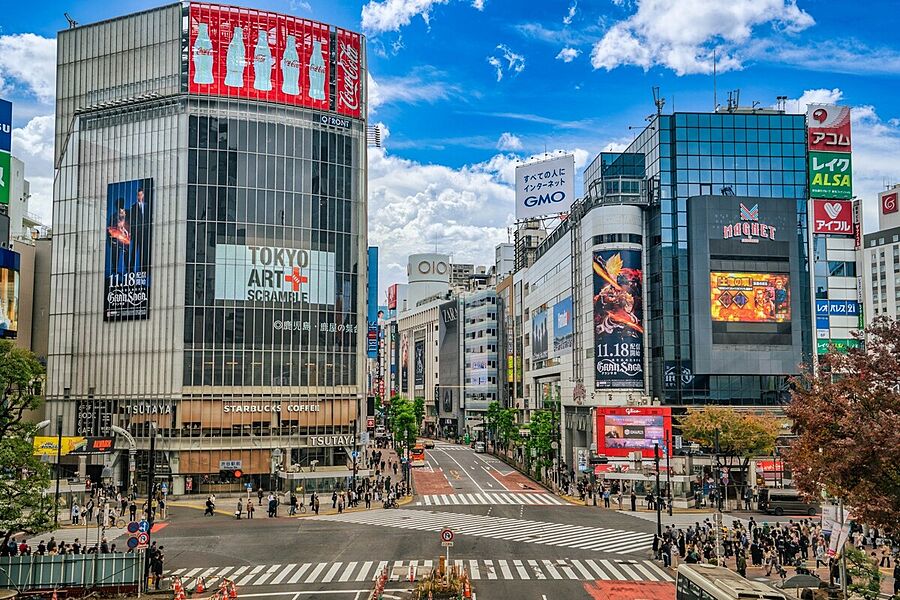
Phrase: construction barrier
[108,572]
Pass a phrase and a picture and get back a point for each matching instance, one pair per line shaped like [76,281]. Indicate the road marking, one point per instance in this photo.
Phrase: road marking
[250,575]
[284,573]
[300,572]
[504,569]
[585,574]
[364,570]
[315,572]
[600,572]
[345,576]
[239,571]
[537,571]
[548,565]
[489,569]
[262,579]
[480,489]
[332,572]
[473,569]
[628,570]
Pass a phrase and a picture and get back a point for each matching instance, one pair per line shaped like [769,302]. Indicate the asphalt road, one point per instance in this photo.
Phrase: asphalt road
[514,538]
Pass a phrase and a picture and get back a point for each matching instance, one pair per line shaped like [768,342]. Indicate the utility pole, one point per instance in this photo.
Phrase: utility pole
[658,509]
[843,550]
[59,421]
[669,475]
[151,472]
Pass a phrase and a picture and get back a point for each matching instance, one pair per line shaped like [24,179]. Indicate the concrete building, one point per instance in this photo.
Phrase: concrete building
[504,260]
[880,261]
[209,280]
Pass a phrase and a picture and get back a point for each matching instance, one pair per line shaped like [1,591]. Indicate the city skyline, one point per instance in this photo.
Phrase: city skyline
[465,90]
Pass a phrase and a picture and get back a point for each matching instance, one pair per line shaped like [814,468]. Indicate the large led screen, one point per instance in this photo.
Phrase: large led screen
[634,432]
[750,297]
[618,319]
[129,242]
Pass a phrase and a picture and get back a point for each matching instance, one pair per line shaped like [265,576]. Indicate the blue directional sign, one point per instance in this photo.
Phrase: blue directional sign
[144,527]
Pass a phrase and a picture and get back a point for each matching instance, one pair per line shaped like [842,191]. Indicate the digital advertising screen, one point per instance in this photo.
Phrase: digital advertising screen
[539,336]
[628,429]
[9,293]
[419,363]
[750,297]
[618,319]
[129,242]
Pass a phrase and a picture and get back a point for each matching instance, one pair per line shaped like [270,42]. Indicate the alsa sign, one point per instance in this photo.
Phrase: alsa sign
[828,128]
[830,175]
[749,229]
[833,216]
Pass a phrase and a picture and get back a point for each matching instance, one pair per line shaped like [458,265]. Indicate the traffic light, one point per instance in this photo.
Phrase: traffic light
[227,475]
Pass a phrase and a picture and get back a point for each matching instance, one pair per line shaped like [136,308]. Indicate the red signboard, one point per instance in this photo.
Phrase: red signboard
[889,203]
[349,73]
[625,429]
[828,127]
[392,297]
[833,216]
[258,55]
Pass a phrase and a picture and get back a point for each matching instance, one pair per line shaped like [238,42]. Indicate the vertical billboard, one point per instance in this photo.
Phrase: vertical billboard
[404,363]
[9,293]
[392,296]
[833,217]
[828,128]
[546,187]
[419,364]
[624,429]
[5,149]
[563,326]
[349,73]
[129,243]
[830,175]
[259,55]
[618,319]
[539,336]
[448,350]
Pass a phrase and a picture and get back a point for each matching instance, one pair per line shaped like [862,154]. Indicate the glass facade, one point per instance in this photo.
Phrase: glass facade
[685,155]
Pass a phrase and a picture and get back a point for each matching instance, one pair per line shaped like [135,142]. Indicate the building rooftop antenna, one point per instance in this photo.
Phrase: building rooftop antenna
[72,22]
[659,102]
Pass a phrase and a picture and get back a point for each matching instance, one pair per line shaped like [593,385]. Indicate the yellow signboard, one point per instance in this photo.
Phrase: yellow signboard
[46,445]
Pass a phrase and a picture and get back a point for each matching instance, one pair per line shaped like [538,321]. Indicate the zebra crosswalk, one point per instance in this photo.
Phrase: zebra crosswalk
[581,569]
[489,498]
[564,535]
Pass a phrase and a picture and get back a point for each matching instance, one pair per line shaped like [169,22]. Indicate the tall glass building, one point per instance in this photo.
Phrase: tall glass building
[677,159]
[209,260]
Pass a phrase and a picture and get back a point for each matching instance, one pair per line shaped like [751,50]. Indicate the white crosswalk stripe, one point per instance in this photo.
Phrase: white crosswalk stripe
[562,535]
[489,498]
[355,571]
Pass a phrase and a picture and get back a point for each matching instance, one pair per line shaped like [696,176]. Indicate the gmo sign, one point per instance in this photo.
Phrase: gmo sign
[558,196]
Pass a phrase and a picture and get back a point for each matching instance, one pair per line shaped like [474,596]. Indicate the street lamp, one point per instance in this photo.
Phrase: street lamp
[132,450]
[59,421]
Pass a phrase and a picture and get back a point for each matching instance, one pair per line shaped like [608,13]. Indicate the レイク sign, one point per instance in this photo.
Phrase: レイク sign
[749,229]
[833,216]
[830,175]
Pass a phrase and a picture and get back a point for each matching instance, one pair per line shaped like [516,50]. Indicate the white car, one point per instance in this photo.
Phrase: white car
[479,447]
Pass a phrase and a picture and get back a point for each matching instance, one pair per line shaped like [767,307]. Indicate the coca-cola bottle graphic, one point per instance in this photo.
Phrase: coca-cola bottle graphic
[235,60]
[262,62]
[290,68]
[317,72]
[203,56]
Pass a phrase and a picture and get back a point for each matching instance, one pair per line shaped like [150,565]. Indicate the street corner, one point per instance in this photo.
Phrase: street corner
[630,590]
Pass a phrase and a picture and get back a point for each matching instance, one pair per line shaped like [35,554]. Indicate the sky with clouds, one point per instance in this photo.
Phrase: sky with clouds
[465,89]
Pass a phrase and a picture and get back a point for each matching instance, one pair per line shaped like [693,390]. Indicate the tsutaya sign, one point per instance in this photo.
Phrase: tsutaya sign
[271,274]
[749,229]
[331,440]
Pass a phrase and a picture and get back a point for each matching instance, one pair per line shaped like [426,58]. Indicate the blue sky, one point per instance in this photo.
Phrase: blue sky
[466,88]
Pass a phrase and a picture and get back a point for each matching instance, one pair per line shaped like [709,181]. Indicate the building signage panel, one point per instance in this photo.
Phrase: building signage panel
[830,175]
[9,293]
[419,363]
[840,345]
[129,243]
[230,465]
[889,204]
[622,430]
[372,341]
[750,297]
[349,73]
[392,296]
[546,187]
[748,229]
[849,308]
[5,176]
[540,336]
[259,55]
[833,216]
[563,326]
[331,440]
[271,408]
[448,388]
[823,334]
[618,319]
[49,445]
[276,275]
[829,128]
[5,126]
[823,322]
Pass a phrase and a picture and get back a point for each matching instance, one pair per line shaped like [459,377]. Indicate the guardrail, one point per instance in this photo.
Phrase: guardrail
[113,572]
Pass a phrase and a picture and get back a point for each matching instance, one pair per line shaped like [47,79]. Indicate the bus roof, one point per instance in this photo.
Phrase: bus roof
[719,581]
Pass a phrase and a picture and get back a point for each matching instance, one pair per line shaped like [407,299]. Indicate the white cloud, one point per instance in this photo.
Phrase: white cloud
[33,144]
[478,4]
[568,54]
[420,86]
[391,15]
[515,62]
[817,96]
[681,34]
[28,60]
[509,141]
[567,20]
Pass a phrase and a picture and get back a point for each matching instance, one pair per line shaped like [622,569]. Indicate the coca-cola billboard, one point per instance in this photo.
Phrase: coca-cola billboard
[349,73]
[276,58]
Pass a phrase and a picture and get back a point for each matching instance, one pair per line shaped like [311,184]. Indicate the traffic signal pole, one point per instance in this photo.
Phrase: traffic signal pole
[658,509]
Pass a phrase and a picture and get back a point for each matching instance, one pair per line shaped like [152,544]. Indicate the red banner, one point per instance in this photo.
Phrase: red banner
[888,203]
[349,73]
[258,55]
[833,216]
[392,297]
[829,127]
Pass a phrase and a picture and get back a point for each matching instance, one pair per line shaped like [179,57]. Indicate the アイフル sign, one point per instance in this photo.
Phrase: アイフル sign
[833,217]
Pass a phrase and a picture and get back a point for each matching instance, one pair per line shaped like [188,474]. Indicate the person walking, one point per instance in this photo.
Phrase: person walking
[368,499]
[76,513]
[606,497]
[633,501]
[132,510]
[156,566]
[293,505]
[250,509]
[741,564]
[334,499]
[259,495]
[239,511]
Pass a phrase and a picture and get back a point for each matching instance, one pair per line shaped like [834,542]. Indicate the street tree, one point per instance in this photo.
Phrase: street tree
[23,477]
[847,417]
[541,435]
[403,422]
[419,410]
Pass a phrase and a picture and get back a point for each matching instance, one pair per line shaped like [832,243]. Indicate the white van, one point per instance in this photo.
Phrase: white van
[479,447]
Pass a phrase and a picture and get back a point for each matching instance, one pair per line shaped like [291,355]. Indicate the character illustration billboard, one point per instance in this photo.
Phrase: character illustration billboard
[618,319]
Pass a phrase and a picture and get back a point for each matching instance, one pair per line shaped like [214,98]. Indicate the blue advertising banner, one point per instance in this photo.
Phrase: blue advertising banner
[5,126]
[848,308]
[129,237]
[563,326]
[618,319]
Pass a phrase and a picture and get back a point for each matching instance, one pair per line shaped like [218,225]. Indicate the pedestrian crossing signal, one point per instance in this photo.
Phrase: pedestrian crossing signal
[238,474]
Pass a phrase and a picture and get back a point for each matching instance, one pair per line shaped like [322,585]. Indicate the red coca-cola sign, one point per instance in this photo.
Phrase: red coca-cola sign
[349,74]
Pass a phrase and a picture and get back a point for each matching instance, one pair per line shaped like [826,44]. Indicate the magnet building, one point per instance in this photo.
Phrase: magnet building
[209,265]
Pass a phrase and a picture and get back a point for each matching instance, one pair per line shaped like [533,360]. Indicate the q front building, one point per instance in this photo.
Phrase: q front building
[209,256]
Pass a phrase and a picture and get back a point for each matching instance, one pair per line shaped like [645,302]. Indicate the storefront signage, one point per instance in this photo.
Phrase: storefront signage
[833,216]
[837,307]
[97,445]
[270,408]
[840,345]
[748,229]
[129,241]
[830,175]
[829,128]
[331,440]
[545,187]
[333,121]
[149,407]
[276,275]
[618,319]
[48,445]
[230,465]
[889,203]
[349,73]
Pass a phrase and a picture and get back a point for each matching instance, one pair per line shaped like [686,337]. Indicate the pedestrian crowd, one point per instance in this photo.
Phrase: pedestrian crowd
[53,548]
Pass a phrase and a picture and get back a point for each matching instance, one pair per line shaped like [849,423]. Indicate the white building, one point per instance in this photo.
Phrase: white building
[881,261]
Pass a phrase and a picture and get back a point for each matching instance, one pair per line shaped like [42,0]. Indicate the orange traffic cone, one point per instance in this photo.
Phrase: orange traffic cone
[55,597]
[232,591]
[201,586]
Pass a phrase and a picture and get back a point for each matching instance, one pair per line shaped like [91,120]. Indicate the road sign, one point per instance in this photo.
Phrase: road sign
[144,526]
[134,527]
[447,544]
[354,454]
[143,541]
[249,486]
[446,535]
[132,542]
